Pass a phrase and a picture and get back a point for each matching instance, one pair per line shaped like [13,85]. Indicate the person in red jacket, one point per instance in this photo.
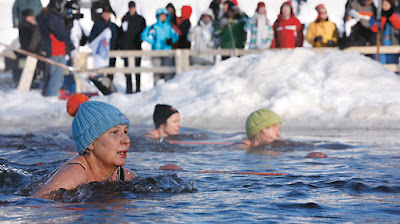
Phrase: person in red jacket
[184,26]
[287,29]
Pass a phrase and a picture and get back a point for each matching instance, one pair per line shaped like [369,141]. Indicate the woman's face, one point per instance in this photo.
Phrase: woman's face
[172,125]
[111,148]
[270,134]
[206,19]
[286,11]
[323,14]
[386,5]
[262,10]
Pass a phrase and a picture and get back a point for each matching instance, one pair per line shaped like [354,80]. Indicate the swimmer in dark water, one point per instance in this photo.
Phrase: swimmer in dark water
[167,122]
[100,133]
[262,128]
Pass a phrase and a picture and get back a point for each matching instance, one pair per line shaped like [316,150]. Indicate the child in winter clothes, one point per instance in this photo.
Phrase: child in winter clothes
[287,28]
[322,32]
[259,33]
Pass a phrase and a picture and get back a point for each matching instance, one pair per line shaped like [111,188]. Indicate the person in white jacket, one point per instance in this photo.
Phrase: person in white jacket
[202,38]
[259,33]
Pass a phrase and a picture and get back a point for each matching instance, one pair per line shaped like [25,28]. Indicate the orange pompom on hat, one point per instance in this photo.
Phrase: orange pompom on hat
[92,119]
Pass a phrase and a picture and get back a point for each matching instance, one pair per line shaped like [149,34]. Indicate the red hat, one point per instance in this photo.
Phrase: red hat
[260,5]
[319,7]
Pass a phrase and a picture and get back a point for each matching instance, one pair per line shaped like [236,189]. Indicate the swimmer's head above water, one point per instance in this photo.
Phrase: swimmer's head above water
[167,122]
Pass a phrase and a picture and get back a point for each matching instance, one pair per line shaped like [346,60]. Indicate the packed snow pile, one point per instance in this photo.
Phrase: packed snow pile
[334,89]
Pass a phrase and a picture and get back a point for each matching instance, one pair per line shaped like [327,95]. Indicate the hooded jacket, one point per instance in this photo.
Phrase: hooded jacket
[54,35]
[158,33]
[184,26]
[288,32]
[326,29]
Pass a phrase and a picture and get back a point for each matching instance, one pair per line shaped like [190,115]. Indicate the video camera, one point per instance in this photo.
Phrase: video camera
[72,10]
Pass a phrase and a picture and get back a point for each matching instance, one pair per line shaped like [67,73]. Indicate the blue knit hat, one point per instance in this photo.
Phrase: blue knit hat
[92,119]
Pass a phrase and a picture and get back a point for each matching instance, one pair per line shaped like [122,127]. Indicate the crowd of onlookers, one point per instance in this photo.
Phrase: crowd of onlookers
[222,26]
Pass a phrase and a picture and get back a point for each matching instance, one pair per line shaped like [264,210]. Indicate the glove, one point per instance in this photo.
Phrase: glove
[317,39]
[388,13]
[168,41]
[331,43]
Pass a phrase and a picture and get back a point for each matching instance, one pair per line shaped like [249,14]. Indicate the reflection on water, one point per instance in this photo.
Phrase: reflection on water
[358,182]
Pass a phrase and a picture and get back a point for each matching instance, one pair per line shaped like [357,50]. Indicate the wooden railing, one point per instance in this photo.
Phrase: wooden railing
[182,58]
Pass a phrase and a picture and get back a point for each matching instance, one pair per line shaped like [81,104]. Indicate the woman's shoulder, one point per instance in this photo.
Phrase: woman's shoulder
[152,134]
[244,145]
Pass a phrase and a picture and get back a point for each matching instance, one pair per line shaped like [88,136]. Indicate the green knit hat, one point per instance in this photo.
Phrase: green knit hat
[259,120]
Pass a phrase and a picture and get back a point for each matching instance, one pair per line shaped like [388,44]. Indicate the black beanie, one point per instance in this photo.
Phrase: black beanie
[161,113]
[27,12]
[132,4]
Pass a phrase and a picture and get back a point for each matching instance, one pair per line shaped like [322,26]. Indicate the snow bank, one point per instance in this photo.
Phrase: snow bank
[334,89]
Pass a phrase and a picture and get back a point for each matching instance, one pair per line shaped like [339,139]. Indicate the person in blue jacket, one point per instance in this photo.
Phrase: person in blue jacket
[161,36]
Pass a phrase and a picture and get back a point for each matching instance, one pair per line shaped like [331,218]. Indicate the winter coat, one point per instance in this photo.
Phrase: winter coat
[29,37]
[326,29]
[232,31]
[54,35]
[259,35]
[101,25]
[184,26]
[158,33]
[130,39]
[288,32]
[21,5]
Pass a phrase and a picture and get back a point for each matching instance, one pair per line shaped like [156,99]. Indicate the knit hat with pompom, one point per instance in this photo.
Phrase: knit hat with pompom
[92,119]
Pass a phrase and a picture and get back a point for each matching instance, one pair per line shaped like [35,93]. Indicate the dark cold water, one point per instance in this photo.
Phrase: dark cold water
[359,181]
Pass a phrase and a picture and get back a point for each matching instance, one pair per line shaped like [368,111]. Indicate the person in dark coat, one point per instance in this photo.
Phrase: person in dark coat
[99,26]
[29,39]
[131,27]
[184,26]
[217,7]
[174,21]
[54,37]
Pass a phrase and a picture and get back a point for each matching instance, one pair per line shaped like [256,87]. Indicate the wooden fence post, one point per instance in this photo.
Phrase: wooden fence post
[80,64]
[25,81]
[178,61]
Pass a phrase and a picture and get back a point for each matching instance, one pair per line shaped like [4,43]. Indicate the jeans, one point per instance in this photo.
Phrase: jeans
[56,78]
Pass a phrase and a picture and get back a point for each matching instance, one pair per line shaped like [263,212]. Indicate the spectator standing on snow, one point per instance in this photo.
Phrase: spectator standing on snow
[356,24]
[288,30]
[202,38]
[20,5]
[54,36]
[131,27]
[99,26]
[390,26]
[161,36]
[29,39]
[173,20]
[231,29]
[322,32]
[259,33]
[184,26]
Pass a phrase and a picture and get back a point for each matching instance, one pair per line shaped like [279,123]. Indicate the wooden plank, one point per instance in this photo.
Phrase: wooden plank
[165,69]
[392,67]
[27,74]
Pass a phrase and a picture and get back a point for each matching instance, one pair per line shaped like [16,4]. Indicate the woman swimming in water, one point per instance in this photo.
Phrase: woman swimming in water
[100,133]
[167,122]
[262,128]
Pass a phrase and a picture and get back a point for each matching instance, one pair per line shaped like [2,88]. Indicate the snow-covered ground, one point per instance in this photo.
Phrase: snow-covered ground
[334,89]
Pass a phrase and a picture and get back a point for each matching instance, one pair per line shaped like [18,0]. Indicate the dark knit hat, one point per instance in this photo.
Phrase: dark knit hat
[131,4]
[161,113]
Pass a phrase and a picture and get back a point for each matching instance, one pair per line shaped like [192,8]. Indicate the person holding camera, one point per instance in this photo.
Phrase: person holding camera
[322,32]
[161,36]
